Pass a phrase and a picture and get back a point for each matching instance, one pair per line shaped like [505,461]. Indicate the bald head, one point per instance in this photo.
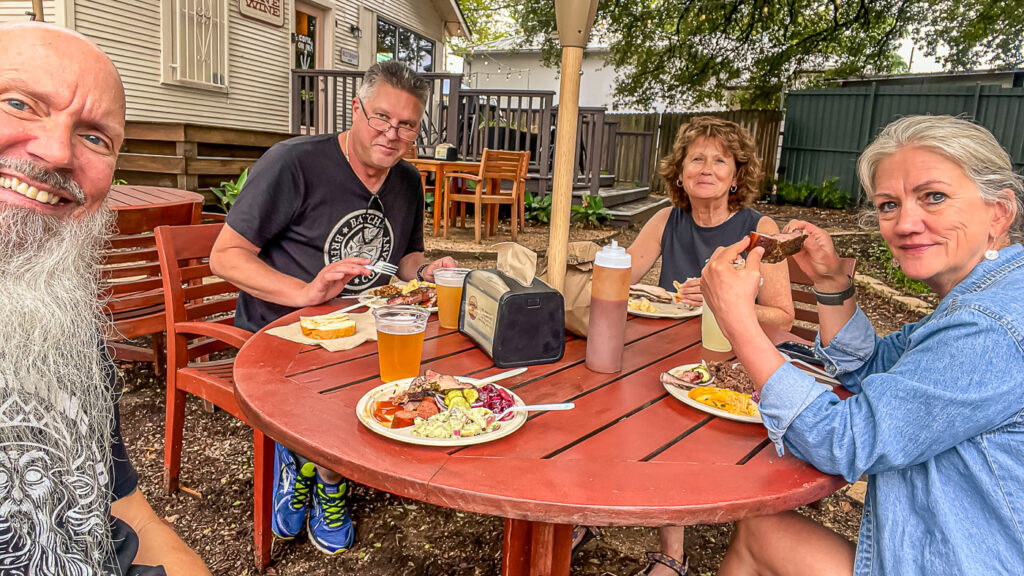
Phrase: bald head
[62,109]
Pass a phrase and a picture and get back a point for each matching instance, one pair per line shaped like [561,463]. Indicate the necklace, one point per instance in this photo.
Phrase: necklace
[348,159]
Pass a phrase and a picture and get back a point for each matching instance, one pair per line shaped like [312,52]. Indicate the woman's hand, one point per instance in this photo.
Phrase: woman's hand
[818,258]
[690,294]
[731,289]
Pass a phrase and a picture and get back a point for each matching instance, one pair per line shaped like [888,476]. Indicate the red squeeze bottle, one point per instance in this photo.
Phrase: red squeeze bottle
[609,296]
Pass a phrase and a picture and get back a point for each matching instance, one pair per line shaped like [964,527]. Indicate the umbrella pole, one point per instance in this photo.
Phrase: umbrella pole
[565,153]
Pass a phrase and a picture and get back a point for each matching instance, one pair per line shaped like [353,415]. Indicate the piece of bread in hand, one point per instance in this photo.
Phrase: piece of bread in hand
[327,326]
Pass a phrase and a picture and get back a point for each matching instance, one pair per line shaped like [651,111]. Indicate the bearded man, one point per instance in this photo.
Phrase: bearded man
[69,503]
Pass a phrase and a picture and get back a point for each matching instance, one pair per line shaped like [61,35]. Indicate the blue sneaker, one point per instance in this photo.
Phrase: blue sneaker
[330,528]
[293,487]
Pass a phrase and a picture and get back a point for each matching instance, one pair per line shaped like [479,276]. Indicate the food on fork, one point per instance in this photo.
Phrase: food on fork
[777,246]
[327,326]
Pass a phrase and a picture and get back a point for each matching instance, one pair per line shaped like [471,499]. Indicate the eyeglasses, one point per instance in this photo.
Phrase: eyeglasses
[383,126]
[379,228]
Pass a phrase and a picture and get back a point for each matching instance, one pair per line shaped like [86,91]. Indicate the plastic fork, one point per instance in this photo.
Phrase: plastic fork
[534,408]
[382,267]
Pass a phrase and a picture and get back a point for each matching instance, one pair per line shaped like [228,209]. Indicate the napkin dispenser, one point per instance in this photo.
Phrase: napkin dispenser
[445,151]
[515,325]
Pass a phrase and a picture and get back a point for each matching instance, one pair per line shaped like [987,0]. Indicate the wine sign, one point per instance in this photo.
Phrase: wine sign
[268,11]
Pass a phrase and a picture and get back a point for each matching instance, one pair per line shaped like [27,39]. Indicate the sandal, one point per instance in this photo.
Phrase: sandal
[681,568]
[583,534]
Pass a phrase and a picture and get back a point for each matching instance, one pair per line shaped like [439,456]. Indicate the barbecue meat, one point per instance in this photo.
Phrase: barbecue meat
[731,377]
[420,295]
[777,246]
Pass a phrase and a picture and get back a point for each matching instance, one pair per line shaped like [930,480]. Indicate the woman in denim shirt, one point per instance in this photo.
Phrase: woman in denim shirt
[936,419]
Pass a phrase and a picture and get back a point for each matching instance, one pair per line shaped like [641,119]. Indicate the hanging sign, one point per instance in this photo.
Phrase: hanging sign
[268,11]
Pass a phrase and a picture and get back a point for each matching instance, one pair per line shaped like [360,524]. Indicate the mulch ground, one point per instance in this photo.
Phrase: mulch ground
[400,536]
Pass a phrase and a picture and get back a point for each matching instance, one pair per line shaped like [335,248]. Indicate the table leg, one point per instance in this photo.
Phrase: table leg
[536,549]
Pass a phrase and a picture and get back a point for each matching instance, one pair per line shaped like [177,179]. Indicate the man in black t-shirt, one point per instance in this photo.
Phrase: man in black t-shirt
[69,498]
[314,211]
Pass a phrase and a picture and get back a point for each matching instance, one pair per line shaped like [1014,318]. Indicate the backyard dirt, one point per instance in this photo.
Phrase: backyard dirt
[397,536]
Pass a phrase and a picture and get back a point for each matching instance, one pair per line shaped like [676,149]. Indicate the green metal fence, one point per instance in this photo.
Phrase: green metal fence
[826,129]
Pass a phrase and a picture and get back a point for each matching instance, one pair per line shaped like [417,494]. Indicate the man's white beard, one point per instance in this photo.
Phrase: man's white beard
[56,406]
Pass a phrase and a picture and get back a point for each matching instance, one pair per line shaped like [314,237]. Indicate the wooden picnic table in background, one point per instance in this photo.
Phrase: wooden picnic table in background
[629,454]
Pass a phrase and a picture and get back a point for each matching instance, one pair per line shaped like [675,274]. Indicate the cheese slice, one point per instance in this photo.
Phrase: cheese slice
[327,326]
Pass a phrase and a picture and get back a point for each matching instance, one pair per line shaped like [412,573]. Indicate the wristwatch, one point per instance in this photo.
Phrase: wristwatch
[835,298]
[419,271]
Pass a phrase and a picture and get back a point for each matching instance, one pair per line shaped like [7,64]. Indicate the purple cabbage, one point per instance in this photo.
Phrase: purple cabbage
[495,399]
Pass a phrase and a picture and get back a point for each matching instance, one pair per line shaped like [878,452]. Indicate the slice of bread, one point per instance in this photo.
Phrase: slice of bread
[327,326]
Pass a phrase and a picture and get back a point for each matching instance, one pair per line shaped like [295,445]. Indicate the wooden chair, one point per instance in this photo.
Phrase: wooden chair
[131,284]
[807,314]
[200,316]
[495,166]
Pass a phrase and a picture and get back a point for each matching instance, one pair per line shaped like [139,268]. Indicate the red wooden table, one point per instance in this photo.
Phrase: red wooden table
[125,199]
[628,454]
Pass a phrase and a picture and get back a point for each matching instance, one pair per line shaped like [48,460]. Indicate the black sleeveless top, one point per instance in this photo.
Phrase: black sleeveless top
[685,246]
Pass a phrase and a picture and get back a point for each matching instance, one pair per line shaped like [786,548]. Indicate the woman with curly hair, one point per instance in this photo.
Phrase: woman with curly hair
[713,174]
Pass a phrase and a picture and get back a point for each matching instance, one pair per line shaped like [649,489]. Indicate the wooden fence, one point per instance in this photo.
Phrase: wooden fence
[763,125]
[188,156]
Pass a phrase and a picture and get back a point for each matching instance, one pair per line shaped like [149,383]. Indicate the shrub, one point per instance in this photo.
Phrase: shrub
[228,190]
[591,212]
[827,195]
[537,208]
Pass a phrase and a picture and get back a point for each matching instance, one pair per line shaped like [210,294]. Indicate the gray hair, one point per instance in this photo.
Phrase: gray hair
[974,149]
[396,75]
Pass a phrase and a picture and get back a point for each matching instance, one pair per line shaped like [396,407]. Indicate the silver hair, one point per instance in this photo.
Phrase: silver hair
[56,405]
[396,75]
[974,149]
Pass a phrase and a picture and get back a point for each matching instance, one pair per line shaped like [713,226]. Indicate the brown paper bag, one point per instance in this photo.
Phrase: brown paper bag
[579,273]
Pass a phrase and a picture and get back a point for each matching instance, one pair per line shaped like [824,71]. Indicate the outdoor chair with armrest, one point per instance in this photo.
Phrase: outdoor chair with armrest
[200,323]
[807,315]
[131,285]
[495,166]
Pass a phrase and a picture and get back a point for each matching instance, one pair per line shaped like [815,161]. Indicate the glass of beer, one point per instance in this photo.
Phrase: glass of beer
[449,295]
[711,337]
[400,340]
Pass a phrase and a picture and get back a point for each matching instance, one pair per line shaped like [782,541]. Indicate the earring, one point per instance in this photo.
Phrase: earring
[991,254]
[679,181]
[895,263]
[733,189]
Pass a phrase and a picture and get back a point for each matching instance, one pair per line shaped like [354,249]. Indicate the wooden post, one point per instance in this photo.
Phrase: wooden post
[565,148]
[574,19]
[37,10]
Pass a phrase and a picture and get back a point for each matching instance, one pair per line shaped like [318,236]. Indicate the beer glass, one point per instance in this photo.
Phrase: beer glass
[400,340]
[449,295]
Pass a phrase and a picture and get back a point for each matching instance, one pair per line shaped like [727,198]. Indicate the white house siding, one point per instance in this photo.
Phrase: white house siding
[259,64]
[420,16]
[523,71]
[14,10]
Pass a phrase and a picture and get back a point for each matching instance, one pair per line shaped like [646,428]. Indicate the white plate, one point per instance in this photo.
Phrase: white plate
[666,310]
[367,298]
[364,411]
[683,396]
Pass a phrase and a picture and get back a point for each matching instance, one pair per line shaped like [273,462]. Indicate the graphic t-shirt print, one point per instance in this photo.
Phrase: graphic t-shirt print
[360,234]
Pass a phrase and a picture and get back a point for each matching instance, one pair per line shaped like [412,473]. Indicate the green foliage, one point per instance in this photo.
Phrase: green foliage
[591,212]
[881,254]
[697,52]
[118,182]
[428,202]
[827,195]
[228,190]
[537,208]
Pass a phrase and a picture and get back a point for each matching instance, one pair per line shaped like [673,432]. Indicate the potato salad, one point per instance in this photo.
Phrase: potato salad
[457,421]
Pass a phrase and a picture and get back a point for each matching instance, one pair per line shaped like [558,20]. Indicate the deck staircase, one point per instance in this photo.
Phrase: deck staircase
[627,204]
